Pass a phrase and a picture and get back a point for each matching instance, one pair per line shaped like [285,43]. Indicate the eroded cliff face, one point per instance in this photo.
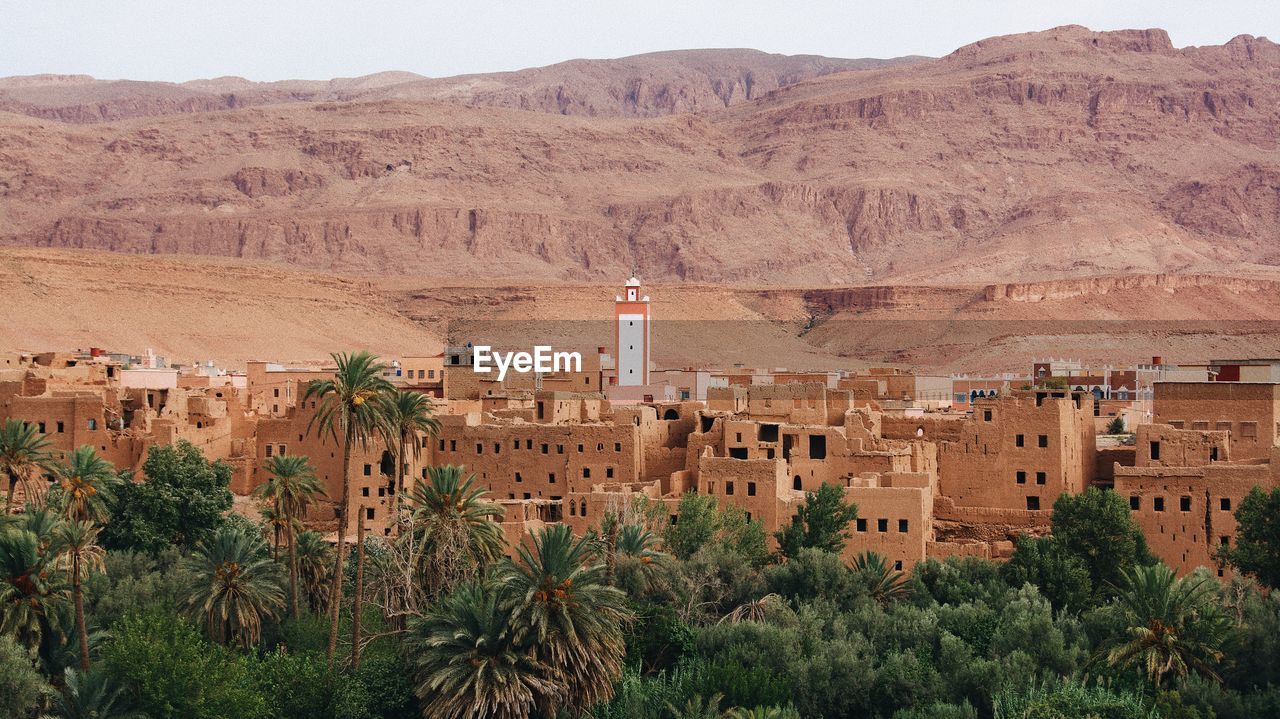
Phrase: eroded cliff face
[1042,156]
[1099,286]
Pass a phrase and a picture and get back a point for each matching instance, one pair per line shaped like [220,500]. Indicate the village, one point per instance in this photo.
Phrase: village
[938,466]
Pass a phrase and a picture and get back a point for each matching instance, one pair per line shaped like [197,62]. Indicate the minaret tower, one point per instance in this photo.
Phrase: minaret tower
[631,335]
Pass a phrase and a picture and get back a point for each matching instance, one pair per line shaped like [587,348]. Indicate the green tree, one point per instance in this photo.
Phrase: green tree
[1116,426]
[171,673]
[1061,576]
[350,411]
[1174,627]
[884,584]
[235,585]
[568,617]
[467,663]
[21,685]
[1257,549]
[183,499]
[30,586]
[315,563]
[405,416]
[641,566]
[94,695]
[23,451]
[821,522]
[78,543]
[702,522]
[1096,526]
[85,486]
[291,487]
[453,528]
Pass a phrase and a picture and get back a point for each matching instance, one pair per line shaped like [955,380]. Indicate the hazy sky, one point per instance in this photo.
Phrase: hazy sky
[279,39]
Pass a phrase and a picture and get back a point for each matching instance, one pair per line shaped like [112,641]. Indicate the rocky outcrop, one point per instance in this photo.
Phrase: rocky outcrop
[1097,286]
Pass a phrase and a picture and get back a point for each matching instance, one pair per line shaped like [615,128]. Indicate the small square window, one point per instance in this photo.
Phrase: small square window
[1033,503]
[1041,478]
[608,472]
[882,525]
[551,478]
[617,446]
[1022,477]
[902,526]
[546,448]
[751,489]
[1135,502]
[728,488]
[1157,504]
[368,470]
[586,472]
[1225,504]
[986,415]
[1019,441]
[368,513]
[897,565]
[1042,440]
[364,491]
[862,525]
[1184,504]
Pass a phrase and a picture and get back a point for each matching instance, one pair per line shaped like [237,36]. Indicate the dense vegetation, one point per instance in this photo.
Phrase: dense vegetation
[123,599]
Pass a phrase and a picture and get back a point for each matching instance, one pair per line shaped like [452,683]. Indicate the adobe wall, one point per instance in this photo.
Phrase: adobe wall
[1249,411]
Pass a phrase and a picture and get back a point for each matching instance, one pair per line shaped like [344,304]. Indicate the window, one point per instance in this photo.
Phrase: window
[897,565]
[582,508]
[902,526]
[1176,423]
[573,509]
[882,525]
[479,447]
[1201,426]
[751,489]
[1022,477]
[515,444]
[1224,540]
[737,436]
[1135,502]
[796,484]
[1033,503]
[525,496]
[453,445]
[817,446]
[93,424]
[608,472]
[41,427]
[1249,430]
[986,415]
[1041,478]
[61,427]
[1019,440]
[545,448]
[368,470]
[1213,454]
[528,444]
[551,478]
[559,449]
[1222,426]
[580,448]
[862,525]
[1184,504]
[1042,441]
[269,450]
[1157,504]
[738,452]
[275,392]
[617,446]
[519,478]
[368,513]
[728,488]
[711,487]
[364,491]
[768,433]
[1225,504]
[442,445]
[586,473]
[1155,451]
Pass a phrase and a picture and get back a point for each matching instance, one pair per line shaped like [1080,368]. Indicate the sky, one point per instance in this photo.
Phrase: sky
[179,40]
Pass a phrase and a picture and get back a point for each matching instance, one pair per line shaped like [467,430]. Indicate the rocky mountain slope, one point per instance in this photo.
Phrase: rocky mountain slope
[649,85]
[1050,155]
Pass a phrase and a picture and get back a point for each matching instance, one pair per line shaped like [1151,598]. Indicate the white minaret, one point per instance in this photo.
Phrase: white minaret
[631,336]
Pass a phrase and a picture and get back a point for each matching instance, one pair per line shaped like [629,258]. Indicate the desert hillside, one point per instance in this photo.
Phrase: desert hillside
[1056,154]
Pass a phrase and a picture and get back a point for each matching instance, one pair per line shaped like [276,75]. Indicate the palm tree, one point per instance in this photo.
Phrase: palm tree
[29,591]
[640,566]
[78,543]
[755,610]
[466,664]
[568,617]
[85,486]
[764,713]
[405,415]
[93,695]
[699,707]
[453,527]
[884,583]
[315,561]
[1174,626]
[236,585]
[348,406]
[22,450]
[293,486]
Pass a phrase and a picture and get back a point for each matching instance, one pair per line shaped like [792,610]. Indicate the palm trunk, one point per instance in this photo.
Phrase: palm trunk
[400,477]
[358,603]
[80,623]
[335,588]
[293,569]
[8,498]
[611,549]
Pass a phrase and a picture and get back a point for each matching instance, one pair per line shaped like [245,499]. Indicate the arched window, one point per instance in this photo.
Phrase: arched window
[583,507]
[573,509]
[671,413]
[795,483]
[919,431]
